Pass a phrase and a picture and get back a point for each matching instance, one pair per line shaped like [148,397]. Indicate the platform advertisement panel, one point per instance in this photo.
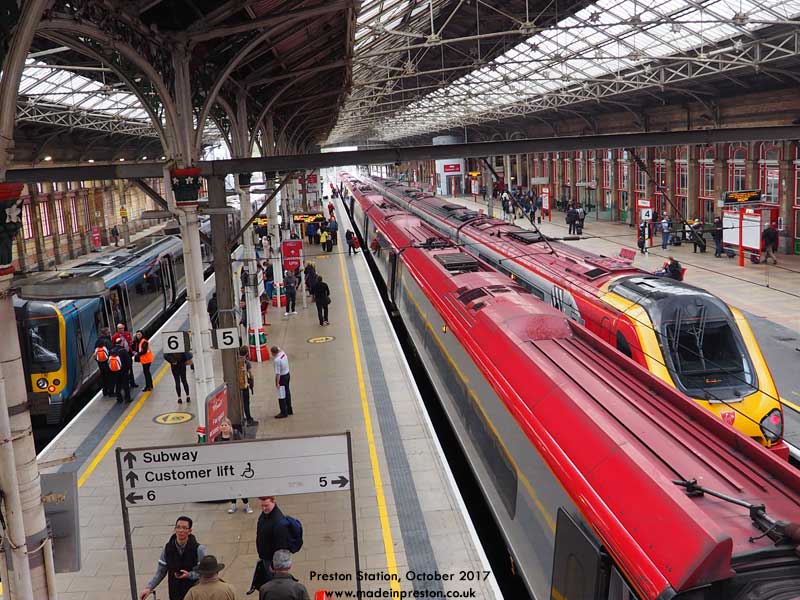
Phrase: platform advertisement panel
[216,411]
[97,241]
[291,251]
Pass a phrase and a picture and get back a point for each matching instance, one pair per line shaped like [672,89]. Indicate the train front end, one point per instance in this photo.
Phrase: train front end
[706,349]
[42,335]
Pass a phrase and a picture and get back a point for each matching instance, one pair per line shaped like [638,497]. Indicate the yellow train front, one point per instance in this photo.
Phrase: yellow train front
[694,341]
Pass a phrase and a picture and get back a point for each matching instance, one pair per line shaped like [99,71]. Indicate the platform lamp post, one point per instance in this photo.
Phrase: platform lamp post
[183,195]
[25,536]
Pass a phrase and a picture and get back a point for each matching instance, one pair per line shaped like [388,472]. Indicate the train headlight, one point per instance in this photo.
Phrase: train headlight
[41,383]
[772,425]
[51,389]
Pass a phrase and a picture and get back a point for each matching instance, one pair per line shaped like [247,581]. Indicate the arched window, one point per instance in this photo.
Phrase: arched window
[707,191]
[769,174]
[737,155]
[660,176]
[623,173]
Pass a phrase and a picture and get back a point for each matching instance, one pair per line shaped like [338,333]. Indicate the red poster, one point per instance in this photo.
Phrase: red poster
[311,178]
[97,242]
[452,168]
[290,250]
[216,411]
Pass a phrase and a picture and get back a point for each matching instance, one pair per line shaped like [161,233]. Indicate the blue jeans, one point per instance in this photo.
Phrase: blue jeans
[664,240]
[718,247]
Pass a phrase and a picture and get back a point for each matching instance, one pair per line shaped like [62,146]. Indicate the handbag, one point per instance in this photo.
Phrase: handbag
[327,300]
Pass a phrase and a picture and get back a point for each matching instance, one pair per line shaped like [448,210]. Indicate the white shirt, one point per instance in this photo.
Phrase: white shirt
[281,364]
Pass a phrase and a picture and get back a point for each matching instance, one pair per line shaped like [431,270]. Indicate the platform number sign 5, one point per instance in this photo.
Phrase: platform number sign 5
[227,338]
[175,341]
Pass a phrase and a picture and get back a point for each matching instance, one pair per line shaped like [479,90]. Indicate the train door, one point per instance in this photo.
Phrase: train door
[392,275]
[167,281]
[121,307]
[581,568]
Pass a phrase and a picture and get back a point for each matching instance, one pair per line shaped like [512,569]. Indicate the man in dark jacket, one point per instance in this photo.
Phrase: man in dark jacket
[272,534]
[178,562]
[770,239]
[716,235]
[282,586]
[122,375]
[213,311]
[572,220]
[322,299]
[106,376]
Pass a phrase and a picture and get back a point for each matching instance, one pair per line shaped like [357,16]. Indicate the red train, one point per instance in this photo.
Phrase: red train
[686,336]
[577,448]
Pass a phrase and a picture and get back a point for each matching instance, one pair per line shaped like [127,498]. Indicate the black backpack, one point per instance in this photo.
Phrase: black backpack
[294,533]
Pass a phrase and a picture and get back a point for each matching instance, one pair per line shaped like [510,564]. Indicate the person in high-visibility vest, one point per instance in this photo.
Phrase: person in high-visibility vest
[144,356]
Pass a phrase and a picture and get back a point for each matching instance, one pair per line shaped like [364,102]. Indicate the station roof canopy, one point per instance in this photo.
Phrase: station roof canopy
[88,85]
[438,65]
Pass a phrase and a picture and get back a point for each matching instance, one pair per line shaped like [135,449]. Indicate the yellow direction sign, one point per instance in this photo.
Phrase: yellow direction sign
[173,418]
[123,212]
[323,339]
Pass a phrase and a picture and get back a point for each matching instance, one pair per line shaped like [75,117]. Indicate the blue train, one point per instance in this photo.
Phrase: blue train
[143,282]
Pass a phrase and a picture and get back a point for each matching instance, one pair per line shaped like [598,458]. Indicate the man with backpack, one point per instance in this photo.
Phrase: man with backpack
[275,531]
[102,350]
[119,363]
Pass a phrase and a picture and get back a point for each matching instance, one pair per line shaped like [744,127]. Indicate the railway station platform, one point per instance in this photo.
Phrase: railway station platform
[351,375]
[768,294]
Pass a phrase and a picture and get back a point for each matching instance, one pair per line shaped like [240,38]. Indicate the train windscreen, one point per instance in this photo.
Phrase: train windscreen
[42,344]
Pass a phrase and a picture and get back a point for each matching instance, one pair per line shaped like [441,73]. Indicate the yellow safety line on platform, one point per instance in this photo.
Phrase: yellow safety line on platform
[136,407]
[388,544]
[790,404]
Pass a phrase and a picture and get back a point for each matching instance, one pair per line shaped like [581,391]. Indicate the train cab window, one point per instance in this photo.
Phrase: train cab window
[623,345]
[43,338]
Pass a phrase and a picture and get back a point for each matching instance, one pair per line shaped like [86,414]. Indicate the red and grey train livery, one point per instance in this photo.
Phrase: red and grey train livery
[577,448]
[688,337]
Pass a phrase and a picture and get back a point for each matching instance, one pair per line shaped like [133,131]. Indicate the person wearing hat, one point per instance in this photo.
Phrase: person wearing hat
[698,240]
[282,586]
[210,586]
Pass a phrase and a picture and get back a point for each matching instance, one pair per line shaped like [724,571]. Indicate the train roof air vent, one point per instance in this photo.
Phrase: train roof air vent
[595,273]
[471,295]
[526,237]
[458,262]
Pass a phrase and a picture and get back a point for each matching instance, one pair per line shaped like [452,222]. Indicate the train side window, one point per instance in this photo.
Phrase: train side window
[623,345]
[580,567]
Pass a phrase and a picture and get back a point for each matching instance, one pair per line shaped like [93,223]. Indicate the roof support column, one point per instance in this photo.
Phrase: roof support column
[720,169]
[693,184]
[268,138]
[786,195]
[751,166]
[669,171]
[66,207]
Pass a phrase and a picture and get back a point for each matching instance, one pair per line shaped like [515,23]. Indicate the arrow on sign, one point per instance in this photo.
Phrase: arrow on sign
[130,459]
[132,478]
[133,497]
[341,481]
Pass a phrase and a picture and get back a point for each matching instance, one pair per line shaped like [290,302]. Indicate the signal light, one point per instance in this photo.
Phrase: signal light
[772,425]
[51,389]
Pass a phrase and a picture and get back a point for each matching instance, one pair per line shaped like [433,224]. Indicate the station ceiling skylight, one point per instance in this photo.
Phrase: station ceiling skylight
[605,41]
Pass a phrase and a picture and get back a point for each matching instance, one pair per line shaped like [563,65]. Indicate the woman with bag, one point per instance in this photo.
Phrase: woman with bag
[322,297]
[228,434]
[144,356]
[178,361]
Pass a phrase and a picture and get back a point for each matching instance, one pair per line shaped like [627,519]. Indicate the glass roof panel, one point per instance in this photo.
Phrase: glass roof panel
[599,41]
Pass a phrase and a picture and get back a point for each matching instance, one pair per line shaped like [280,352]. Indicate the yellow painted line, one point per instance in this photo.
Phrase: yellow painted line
[388,544]
[790,404]
[128,418]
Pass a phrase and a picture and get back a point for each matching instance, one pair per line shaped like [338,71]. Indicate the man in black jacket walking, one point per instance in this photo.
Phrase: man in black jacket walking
[178,562]
[272,534]
[322,298]
[121,370]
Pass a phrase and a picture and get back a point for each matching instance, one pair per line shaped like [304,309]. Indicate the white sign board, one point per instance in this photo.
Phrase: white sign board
[751,230]
[175,341]
[546,198]
[246,469]
[643,203]
[645,214]
[540,180]
[227,338]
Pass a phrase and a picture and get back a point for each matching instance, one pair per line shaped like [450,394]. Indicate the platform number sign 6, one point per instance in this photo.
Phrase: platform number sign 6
[175,341]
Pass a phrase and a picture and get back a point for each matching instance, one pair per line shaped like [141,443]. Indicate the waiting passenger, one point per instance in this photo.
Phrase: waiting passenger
[119,363]
[671,269]
[144,356]
[178,361]
[102,350]
[178,562]
[228,434]
[282,586]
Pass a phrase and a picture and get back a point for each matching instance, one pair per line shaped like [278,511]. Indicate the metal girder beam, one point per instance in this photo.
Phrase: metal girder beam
[156,197]
[73,118]
[390,155]
[292,15]
[297,73]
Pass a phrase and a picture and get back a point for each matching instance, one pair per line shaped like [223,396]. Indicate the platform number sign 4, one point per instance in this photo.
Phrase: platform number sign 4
[175,341]
[227,338]
[646,214]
